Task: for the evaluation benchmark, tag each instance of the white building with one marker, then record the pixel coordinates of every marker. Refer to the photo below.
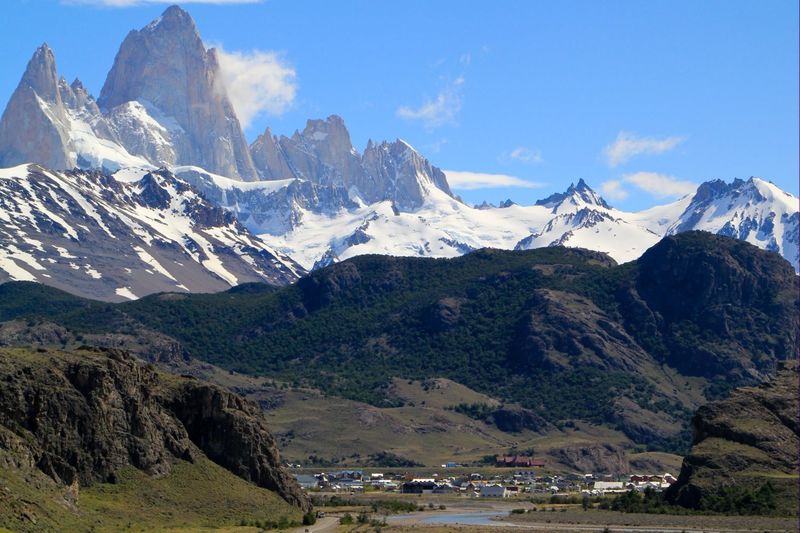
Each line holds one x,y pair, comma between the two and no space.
609,486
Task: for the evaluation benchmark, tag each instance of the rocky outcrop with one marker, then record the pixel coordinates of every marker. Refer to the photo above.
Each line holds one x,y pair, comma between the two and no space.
598,458
746,440
233,433
84,415
516,419
743,302
165,65
87,417
563,330
269,157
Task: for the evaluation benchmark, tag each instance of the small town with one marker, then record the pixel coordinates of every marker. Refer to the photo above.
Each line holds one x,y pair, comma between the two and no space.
513,476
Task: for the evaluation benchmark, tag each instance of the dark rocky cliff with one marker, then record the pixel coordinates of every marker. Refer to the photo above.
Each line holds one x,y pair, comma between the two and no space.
82,416
745,441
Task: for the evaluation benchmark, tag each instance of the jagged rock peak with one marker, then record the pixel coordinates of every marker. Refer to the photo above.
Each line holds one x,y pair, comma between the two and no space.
332,131
173,18
165,67
323,153
754,188
41,74
34,124
77,85
580,193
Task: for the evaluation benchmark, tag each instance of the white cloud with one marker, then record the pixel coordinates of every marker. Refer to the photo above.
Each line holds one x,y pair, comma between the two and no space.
132,3
257,82
657,185
660,185
525,155
613,190
440,111
628,145
480,180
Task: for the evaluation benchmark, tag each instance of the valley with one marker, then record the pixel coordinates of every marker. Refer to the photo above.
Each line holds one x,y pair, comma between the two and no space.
557,367
213,321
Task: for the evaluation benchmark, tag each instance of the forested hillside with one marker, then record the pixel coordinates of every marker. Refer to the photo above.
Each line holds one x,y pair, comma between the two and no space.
566,333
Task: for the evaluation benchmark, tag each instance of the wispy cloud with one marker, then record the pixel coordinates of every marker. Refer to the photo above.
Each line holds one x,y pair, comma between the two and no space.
657,185
441,110
660,185
613,190
522,154
436,146
257,82
628,145
481,180
132,3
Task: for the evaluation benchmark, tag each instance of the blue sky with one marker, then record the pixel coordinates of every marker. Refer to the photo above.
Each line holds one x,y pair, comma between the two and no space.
642,99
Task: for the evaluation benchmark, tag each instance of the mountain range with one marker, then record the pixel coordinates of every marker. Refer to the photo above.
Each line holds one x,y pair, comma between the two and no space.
94,234
78,168
563,334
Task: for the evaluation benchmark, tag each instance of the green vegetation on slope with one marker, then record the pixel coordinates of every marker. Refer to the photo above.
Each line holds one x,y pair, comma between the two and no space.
564,333
191,496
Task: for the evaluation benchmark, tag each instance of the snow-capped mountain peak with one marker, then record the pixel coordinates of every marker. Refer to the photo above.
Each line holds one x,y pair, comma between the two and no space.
93,234
575,197
754,210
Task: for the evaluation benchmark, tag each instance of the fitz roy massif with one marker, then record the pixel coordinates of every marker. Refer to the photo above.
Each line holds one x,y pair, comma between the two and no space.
205,325
153,187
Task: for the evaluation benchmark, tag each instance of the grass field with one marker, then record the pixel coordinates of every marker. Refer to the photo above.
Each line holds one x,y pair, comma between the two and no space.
423,430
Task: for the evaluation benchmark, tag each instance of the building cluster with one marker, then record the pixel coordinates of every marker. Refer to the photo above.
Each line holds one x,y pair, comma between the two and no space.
476,485
637,482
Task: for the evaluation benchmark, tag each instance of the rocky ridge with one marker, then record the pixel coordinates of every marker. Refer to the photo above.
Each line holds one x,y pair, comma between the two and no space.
81,416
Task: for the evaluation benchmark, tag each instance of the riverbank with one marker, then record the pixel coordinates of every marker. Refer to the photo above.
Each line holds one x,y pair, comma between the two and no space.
497,517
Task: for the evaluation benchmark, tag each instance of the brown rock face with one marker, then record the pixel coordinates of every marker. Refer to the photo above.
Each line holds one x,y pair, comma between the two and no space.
88,418
233,433
84,415
745,440
599,458
165,65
